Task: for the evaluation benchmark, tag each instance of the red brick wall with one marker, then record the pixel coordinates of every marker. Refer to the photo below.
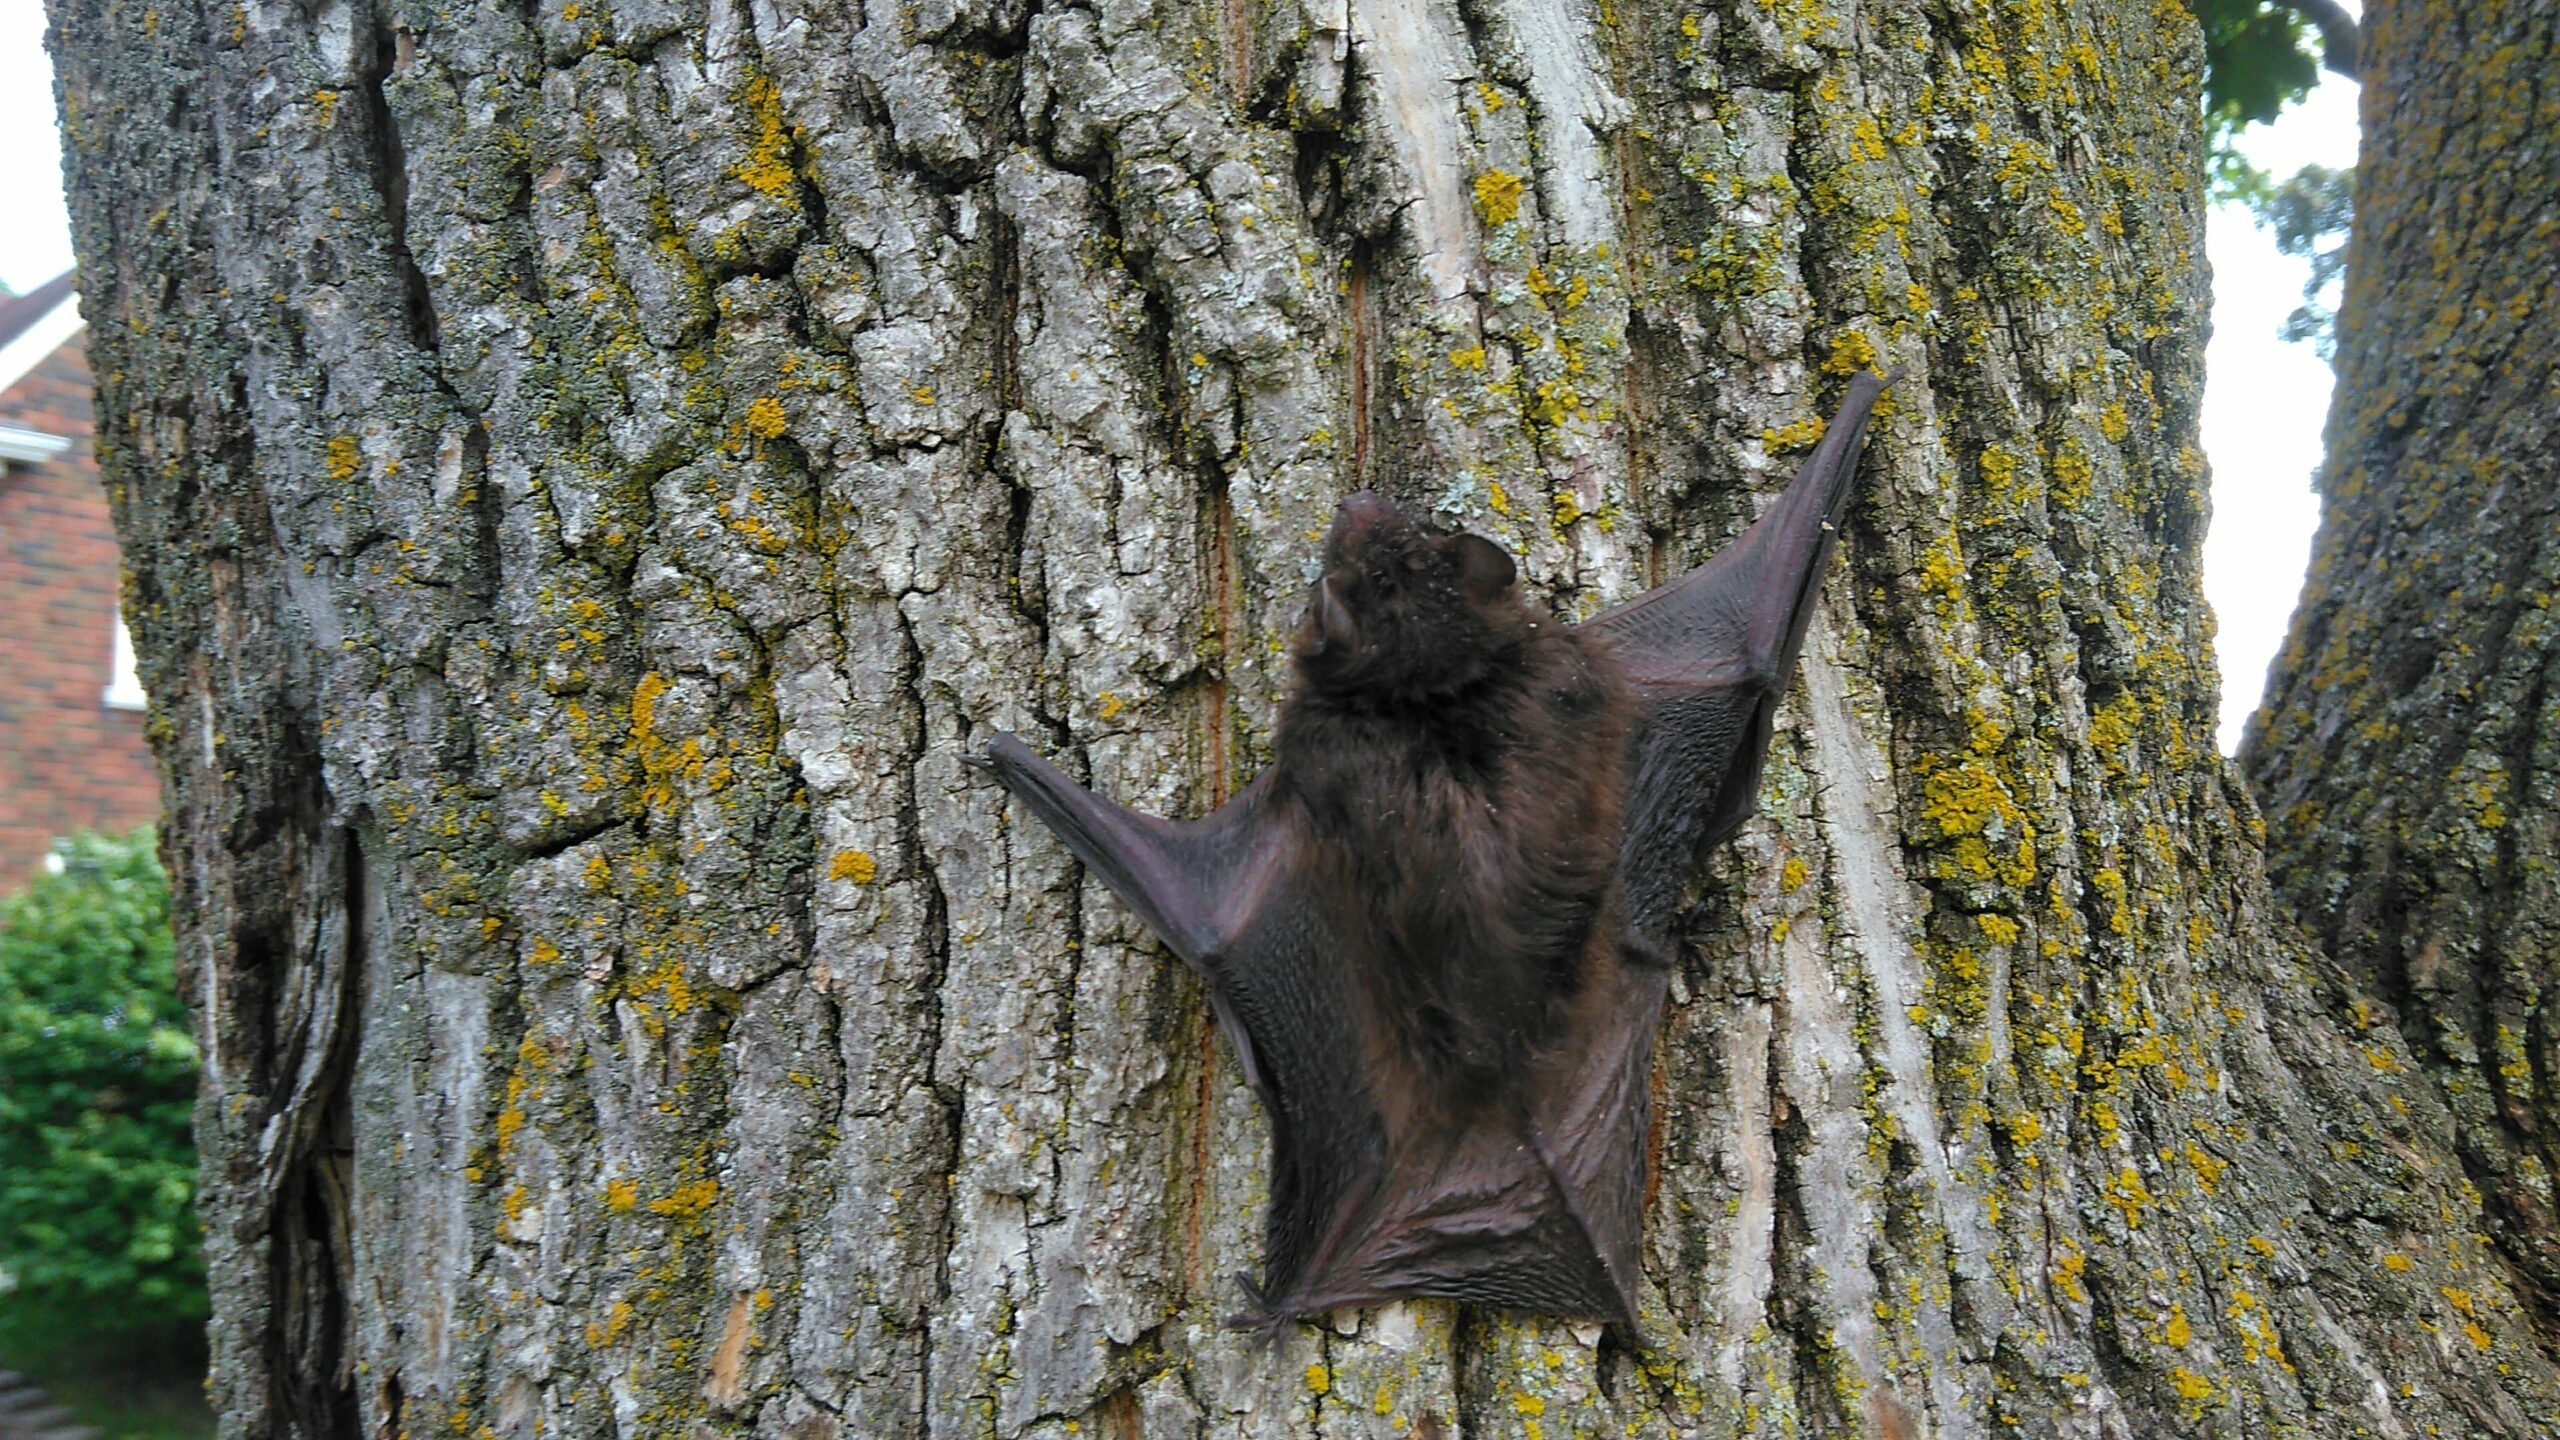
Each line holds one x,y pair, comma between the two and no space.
67,761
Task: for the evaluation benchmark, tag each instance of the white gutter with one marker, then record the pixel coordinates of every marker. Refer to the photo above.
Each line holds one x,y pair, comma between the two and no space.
30,447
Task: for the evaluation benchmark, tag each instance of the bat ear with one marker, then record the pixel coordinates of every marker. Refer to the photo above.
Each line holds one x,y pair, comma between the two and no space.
1482,567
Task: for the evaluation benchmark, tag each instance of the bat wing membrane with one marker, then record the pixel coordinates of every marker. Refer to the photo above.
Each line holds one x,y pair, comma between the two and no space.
1198,884
1712,652
1228,894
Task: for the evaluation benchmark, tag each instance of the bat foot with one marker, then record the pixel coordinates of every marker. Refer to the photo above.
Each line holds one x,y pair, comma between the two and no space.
1258,1317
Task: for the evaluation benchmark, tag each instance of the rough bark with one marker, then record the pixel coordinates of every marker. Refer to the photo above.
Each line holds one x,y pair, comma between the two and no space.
2408,752
588,474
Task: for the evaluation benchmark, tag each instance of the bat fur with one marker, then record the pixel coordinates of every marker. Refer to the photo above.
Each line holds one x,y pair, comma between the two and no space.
1435,929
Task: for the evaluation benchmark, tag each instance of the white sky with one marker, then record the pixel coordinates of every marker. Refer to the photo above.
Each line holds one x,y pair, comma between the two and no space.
2264,403
35,236
2264,399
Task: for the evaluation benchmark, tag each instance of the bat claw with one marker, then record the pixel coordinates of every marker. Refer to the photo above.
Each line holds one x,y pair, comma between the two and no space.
979,760
1258,1317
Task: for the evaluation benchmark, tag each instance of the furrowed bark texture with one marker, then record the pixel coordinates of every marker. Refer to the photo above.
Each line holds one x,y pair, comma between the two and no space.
2408,753
589,473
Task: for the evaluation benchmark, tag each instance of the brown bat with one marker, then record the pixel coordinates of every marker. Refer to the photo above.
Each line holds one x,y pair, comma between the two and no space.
1437,929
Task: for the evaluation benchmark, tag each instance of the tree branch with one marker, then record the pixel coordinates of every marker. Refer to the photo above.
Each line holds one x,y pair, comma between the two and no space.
2341,42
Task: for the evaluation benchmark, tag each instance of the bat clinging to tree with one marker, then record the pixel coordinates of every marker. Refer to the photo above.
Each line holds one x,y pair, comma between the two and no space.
1436,929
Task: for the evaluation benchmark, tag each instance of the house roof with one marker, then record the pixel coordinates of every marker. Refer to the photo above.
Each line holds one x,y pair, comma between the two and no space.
36,324
18,312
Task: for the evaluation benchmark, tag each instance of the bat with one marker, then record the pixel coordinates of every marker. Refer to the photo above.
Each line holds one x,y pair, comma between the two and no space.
1436,930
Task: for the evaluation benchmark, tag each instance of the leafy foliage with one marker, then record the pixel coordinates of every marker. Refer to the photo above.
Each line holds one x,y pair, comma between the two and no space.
2309,214
97,1082
2258,58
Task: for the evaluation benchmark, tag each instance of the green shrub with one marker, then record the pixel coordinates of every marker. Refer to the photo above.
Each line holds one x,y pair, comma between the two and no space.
97,1079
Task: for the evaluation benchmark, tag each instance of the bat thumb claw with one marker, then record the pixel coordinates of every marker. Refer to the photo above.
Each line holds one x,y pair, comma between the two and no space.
978,760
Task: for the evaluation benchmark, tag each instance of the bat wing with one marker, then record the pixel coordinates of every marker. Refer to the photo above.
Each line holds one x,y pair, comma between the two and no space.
1534,1202
1712,652
1196,883
1591,1112
1230,894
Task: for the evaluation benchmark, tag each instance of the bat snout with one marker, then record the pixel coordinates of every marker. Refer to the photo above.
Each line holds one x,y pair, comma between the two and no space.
1358,511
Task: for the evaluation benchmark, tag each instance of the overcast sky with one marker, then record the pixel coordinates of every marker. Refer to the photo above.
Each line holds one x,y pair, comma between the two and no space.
2264,403
35,237
2264,399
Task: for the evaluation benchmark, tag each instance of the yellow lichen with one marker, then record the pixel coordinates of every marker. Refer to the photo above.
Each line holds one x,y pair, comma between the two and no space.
688,1201
1498,197
2067,1268
2208,1169
605,1332
767,167
1802,435
1851,352
2072,474
2129,1195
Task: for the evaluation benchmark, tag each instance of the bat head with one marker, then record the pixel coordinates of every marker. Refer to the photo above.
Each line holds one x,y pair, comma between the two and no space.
1405,609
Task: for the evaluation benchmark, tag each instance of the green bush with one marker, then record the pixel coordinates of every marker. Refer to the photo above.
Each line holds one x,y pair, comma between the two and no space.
97,1080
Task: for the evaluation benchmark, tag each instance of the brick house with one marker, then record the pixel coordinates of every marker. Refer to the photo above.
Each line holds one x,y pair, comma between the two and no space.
72,753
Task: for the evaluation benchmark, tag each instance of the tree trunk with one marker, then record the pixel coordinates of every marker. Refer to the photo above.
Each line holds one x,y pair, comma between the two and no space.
2408,754
590,473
